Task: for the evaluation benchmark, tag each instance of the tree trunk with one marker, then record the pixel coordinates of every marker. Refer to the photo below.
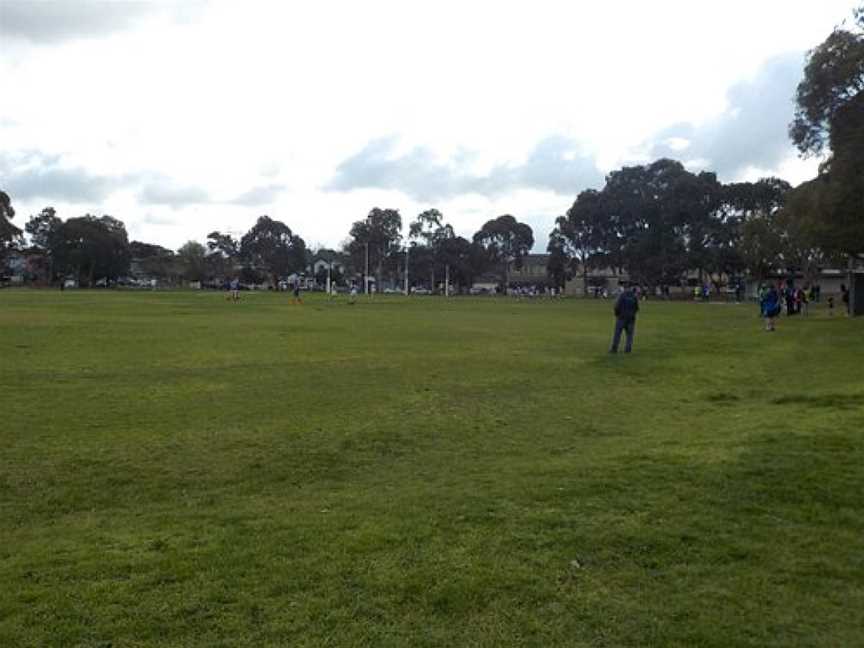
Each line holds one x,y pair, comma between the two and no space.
506,277
584,279
378,271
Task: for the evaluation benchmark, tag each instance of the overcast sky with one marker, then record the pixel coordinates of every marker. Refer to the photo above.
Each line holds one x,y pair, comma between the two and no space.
184,117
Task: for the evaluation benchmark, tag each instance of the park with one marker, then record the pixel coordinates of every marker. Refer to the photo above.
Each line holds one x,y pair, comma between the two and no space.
400,324
181,470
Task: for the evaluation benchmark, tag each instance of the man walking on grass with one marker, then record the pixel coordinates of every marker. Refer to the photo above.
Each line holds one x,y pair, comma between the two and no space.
626,307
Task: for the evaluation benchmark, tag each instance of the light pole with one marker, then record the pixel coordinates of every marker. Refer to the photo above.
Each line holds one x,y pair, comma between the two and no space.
366,274
407,248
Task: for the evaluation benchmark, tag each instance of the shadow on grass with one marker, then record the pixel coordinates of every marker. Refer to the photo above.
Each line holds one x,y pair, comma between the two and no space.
829,401
722,399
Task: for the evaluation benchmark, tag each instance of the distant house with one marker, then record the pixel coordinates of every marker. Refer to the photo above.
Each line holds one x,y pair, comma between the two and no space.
321,264
15,264
336,262
24,266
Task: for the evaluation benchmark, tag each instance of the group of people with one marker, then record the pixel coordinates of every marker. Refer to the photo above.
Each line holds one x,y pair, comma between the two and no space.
532,292
791,300
774,300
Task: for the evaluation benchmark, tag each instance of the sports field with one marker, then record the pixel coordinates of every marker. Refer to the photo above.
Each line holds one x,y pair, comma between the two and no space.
177,470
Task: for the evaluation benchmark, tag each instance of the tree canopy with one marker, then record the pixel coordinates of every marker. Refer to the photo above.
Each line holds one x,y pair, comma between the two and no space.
380,234
506,241
10,235
829,114
270,246
44,229
92,247
193,258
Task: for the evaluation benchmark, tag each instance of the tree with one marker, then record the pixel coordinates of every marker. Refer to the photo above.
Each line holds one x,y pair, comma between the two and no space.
44,231
223,251
506,241
116,255
192,258
753,239
697,198
458,254
154,261
761,245
646,217
93,247
426,226
379,234
429,227
800,226
10,236
270,246
830,114
833,79
582,232
560,262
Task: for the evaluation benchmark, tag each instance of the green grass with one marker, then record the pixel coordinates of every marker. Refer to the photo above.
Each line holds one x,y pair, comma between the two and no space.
176,470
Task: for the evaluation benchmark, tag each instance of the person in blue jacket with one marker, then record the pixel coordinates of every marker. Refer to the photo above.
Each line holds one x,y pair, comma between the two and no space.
770,306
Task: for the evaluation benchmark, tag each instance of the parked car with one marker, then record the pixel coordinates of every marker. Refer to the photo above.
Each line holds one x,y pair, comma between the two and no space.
421,291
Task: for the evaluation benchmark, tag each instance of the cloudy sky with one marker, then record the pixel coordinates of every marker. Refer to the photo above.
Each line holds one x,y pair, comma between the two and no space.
184,117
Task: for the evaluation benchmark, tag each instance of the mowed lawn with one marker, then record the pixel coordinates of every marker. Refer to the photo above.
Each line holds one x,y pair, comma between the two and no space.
177,470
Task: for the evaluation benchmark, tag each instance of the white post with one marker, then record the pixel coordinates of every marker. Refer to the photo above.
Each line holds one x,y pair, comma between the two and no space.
407,248
447,280
329,266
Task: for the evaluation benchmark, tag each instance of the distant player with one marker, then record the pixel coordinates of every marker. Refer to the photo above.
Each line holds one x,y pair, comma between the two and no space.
235,289
353,296
297,299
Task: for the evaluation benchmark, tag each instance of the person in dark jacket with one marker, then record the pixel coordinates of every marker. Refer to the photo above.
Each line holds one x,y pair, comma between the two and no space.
626,307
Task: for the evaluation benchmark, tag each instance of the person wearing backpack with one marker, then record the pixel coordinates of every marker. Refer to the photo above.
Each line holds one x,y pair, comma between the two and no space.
626,307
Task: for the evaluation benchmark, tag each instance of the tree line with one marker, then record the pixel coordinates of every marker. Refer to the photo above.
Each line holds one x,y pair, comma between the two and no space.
658,222
95,250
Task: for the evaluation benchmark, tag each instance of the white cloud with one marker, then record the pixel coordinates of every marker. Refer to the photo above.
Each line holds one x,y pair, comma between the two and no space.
251,107
52,21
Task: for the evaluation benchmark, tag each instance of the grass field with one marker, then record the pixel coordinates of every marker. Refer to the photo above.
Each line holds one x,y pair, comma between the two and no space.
176,470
